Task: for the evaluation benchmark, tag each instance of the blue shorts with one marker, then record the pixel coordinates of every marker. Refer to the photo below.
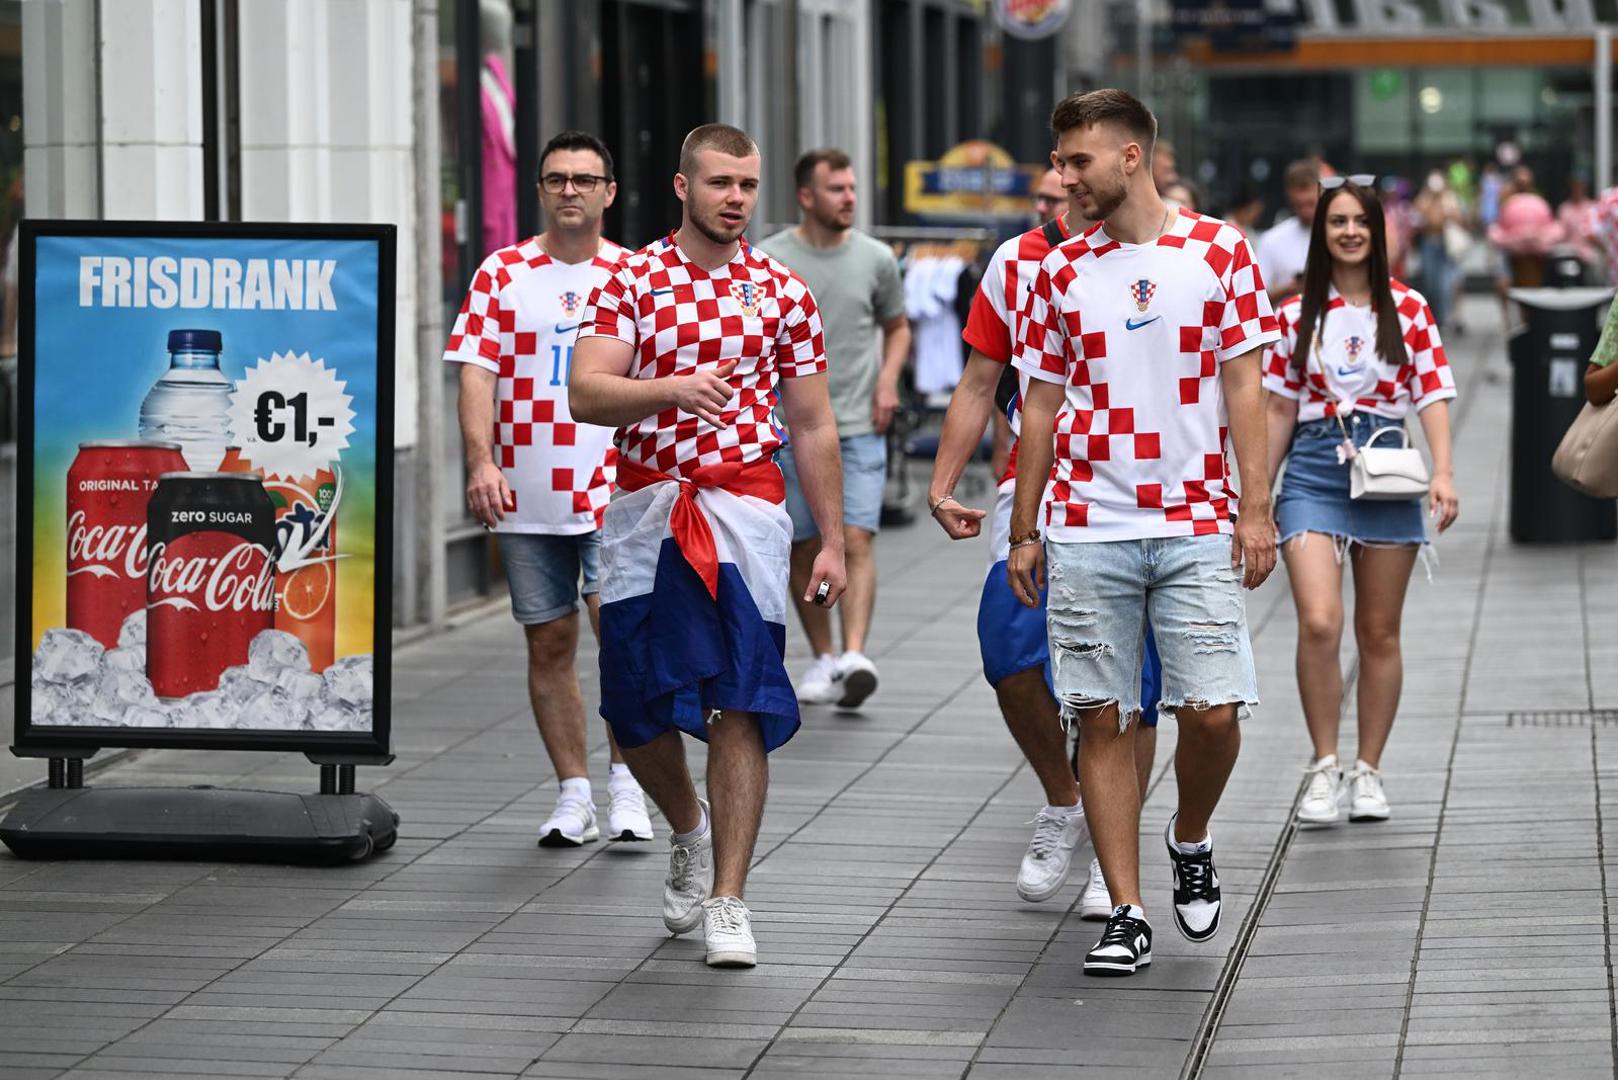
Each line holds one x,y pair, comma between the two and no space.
1314,490
544,573
865,474
1183,590
1012,639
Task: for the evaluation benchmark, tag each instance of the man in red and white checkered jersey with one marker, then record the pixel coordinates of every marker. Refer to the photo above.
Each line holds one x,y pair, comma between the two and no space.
1142,341
536,477
1011,637
688,348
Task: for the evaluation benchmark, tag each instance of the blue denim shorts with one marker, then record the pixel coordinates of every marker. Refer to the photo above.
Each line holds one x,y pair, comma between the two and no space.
865,474
1102,597
1314,489
544,573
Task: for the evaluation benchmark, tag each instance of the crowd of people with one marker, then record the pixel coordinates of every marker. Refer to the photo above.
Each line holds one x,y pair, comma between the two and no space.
682,436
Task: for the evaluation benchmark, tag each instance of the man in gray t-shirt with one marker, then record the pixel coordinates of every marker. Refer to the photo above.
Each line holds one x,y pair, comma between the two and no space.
855,282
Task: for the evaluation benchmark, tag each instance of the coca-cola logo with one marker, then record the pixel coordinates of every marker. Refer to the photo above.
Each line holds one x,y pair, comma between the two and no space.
97,549
242,579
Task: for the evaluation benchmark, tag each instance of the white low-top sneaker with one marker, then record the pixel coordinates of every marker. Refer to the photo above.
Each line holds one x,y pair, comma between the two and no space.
727,926
1322,802
689,881
820,684
1096,903
571,824
1050,854
857,676
627,818
1367,800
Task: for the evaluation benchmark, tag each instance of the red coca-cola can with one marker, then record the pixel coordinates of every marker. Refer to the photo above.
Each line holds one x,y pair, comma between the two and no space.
210,578
108,487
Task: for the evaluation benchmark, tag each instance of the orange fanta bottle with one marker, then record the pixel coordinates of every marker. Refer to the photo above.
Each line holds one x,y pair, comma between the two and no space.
306,536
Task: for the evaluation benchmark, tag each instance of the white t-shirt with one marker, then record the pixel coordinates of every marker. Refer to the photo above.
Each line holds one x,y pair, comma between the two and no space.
1283,251
520,319
1349,368
1137,334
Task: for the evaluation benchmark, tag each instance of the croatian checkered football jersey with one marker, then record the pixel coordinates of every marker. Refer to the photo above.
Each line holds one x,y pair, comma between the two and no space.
1137,334
680,319
519,320
994,324
1347,367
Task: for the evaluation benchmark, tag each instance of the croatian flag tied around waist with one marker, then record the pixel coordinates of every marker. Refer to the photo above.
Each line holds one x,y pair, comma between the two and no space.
693,601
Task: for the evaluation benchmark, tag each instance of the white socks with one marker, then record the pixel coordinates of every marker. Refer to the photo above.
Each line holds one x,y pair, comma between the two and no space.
577,785
687,837
1076,810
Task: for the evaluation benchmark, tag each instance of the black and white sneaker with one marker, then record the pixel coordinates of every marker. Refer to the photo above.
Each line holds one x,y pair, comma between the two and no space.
1196,890
1125,945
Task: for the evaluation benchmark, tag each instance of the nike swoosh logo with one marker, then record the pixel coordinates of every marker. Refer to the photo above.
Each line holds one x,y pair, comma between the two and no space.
1131,324
661,292
1347,371
567,329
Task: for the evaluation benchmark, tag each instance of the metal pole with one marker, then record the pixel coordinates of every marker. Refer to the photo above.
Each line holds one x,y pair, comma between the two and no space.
1143,50
1603,111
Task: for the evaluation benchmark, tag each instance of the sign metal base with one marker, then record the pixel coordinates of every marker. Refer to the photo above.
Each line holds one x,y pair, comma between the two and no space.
215,824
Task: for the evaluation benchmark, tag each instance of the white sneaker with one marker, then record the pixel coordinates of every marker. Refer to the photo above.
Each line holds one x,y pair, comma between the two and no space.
1367,800
1050,854
727,926
689,881
857,675
571,824
1096,903
1322,802
627,818
819,685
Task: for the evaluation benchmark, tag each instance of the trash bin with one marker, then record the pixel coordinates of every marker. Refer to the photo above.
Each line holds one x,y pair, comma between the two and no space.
1548,357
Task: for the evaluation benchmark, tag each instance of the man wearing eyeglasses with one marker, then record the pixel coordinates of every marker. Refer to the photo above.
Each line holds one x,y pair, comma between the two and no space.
536,478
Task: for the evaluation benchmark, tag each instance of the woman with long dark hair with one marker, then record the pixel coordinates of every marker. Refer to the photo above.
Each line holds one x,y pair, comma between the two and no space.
1359,351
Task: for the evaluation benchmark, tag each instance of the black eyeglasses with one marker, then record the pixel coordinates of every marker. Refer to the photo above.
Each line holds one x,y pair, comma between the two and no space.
583,183
1332,183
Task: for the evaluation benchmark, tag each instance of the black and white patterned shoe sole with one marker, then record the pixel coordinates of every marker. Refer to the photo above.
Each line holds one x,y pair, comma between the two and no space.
556,838
1116,968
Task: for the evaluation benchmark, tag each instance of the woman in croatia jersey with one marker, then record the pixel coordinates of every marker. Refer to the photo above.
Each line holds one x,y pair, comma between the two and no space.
1359,352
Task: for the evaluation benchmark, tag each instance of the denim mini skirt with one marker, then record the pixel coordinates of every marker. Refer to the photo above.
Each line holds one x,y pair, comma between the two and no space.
1314,489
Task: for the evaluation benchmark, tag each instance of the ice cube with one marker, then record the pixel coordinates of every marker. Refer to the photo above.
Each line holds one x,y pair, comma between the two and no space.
348,682
273,650
238,684
132,634
44,702
208,709
68,657
273,710
330,716
126,658
144,716
302,685
118,691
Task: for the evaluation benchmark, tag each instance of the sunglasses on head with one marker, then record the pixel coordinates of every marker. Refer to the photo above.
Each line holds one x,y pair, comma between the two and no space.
1332,183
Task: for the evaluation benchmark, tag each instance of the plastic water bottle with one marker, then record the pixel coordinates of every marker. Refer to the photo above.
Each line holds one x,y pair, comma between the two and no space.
189,402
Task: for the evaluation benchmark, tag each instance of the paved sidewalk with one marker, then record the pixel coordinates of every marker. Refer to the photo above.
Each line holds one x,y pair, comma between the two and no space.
1470,934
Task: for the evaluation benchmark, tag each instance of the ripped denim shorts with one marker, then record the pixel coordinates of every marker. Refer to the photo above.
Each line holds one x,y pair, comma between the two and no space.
1100,597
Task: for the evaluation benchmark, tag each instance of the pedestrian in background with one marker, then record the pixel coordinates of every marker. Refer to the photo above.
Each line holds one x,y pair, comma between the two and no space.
1436,211
1284,248
1359,351
856,284
537,478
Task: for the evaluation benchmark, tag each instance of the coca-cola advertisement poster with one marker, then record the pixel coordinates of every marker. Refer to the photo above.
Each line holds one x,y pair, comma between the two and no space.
206,445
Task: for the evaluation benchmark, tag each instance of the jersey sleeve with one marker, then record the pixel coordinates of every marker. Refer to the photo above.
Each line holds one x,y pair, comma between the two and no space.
1281,374
800,342
988,322
478,335
612,308
1431,377
1247,320
1043,350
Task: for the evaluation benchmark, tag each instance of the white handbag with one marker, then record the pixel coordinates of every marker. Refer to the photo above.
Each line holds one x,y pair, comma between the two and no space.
1387,473
1379,473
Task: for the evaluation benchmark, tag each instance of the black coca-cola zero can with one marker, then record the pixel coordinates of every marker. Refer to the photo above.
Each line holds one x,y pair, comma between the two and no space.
210,577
